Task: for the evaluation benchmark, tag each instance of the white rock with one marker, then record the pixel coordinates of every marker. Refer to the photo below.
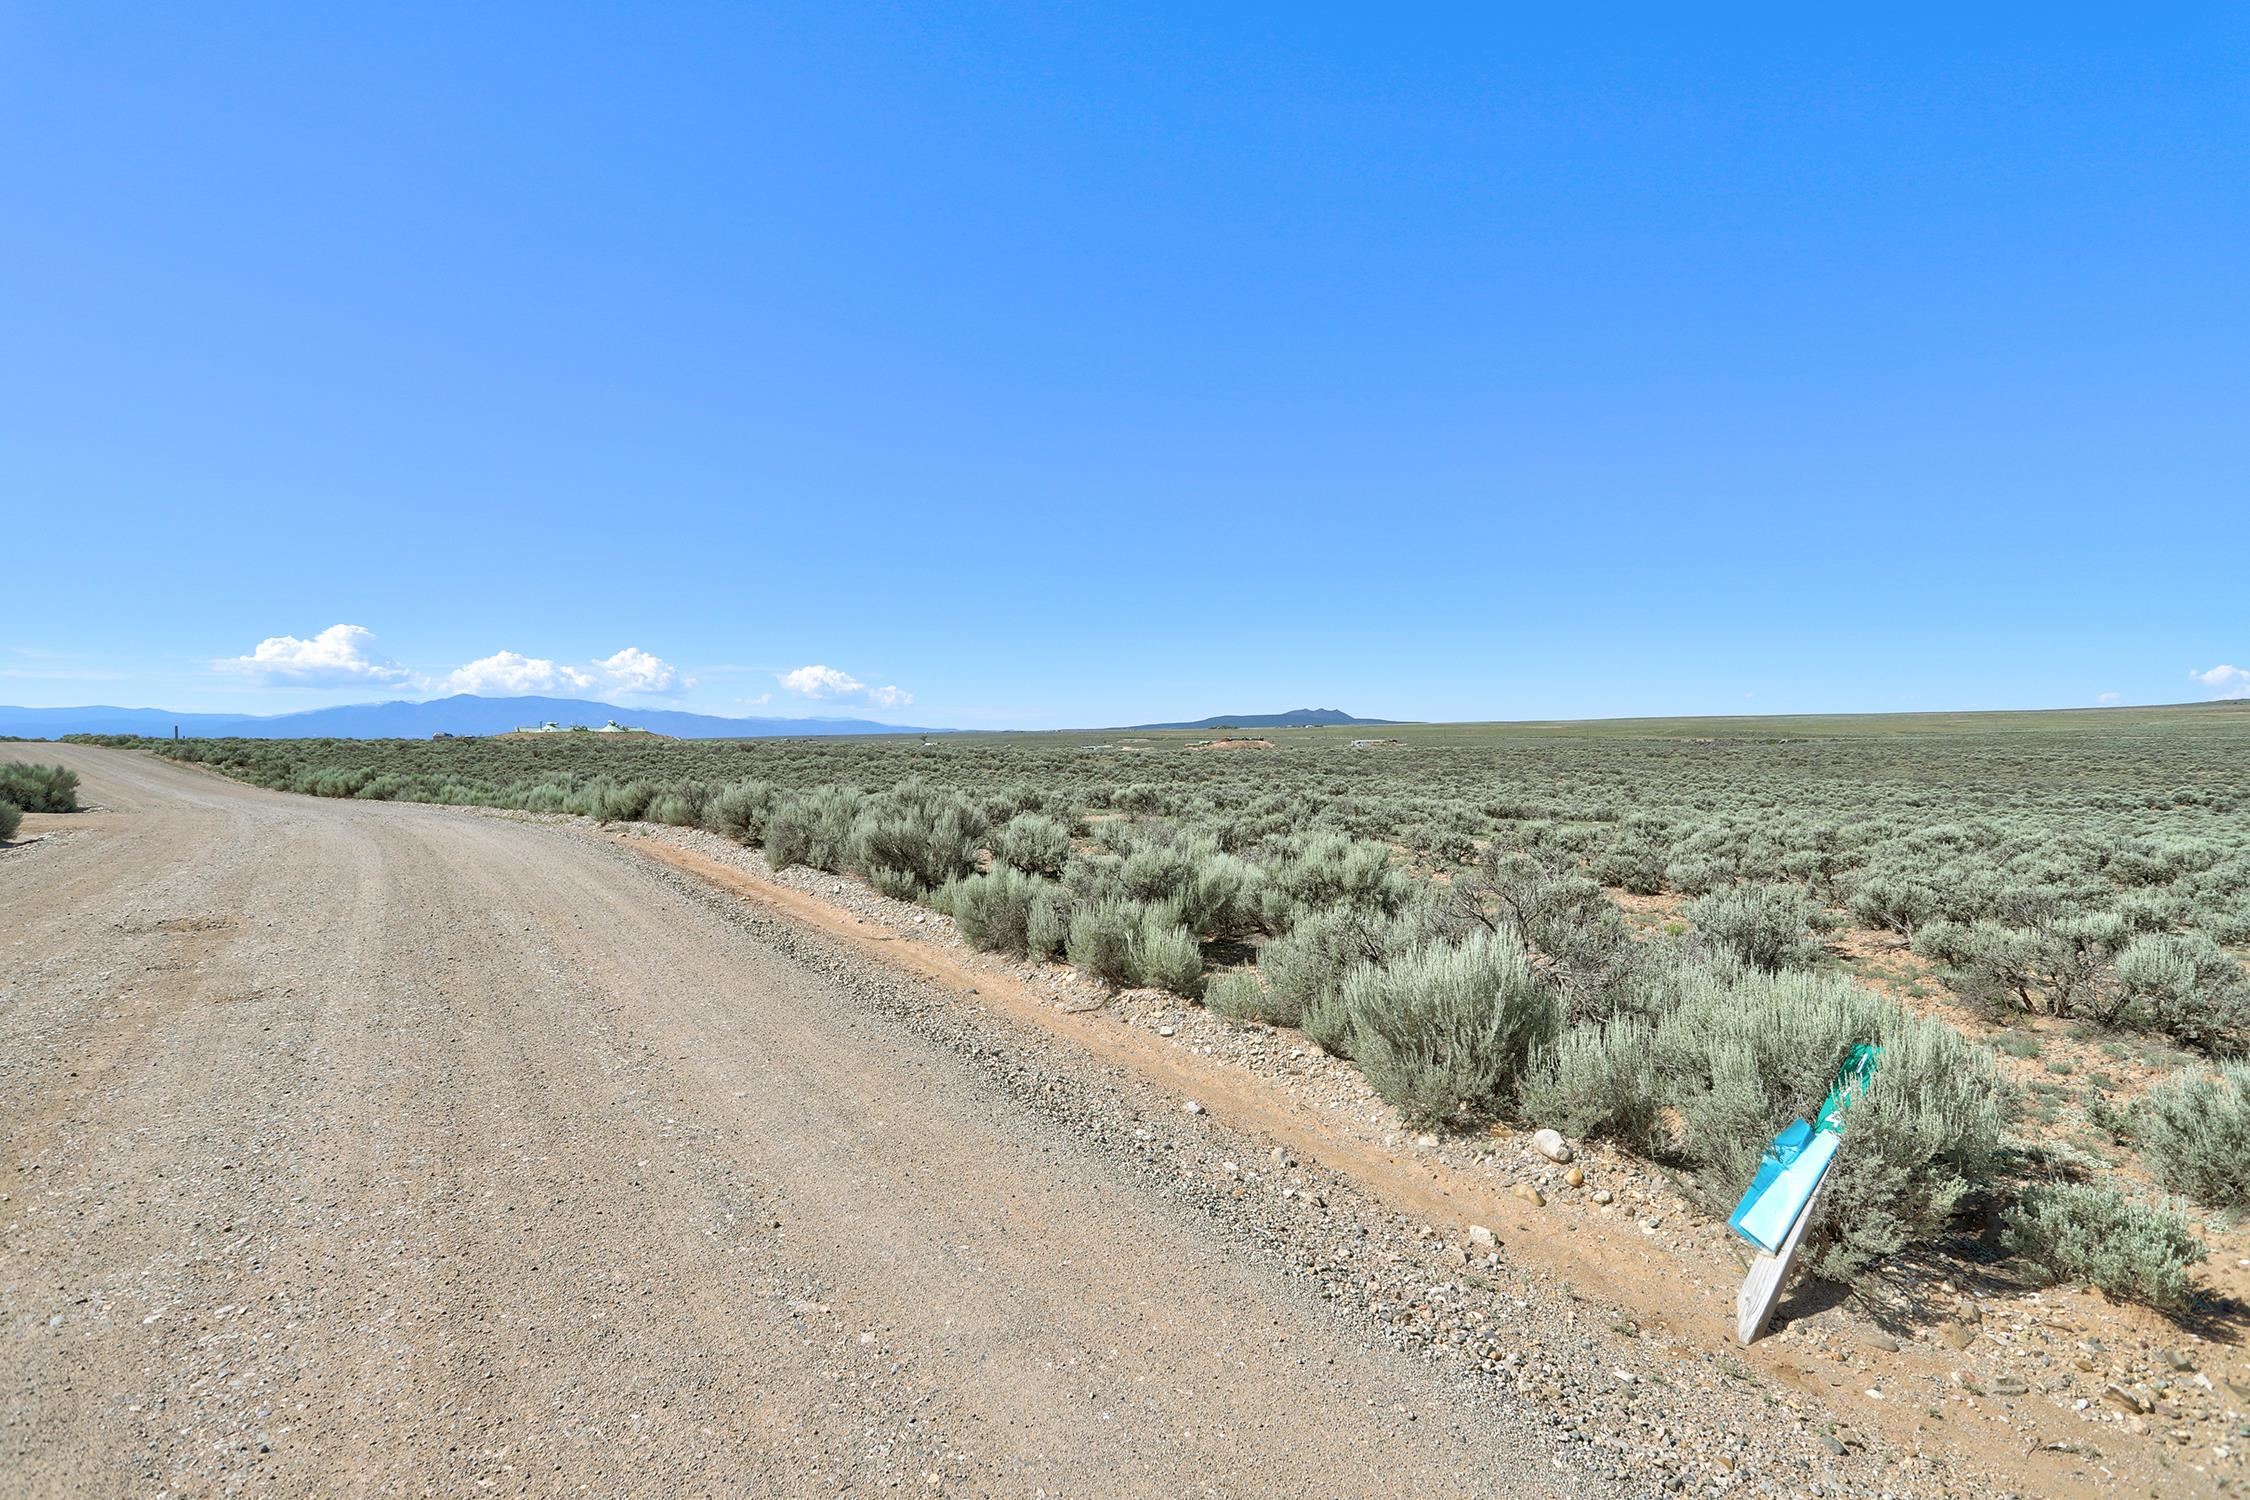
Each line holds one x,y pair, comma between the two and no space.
1550,1144
1190,1107
1481,1237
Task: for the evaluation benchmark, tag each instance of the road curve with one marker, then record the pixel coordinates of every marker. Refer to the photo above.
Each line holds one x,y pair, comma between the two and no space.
374,1149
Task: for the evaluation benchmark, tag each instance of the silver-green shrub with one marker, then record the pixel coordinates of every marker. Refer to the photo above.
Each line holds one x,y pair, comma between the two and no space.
994,910
1033,843
1600,1080
1238,996
1135,943
1577,937
1305,968
738,811
2140,1251
1768,927
44,788
2187,987
1047,927
1445,1033
2194,1128
921,836
1326,871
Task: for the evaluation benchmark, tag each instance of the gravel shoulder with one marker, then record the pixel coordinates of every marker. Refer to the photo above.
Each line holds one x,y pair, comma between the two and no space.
388,1149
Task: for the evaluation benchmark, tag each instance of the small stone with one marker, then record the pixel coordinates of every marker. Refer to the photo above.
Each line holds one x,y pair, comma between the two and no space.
2175,1359
1956,1335
1604,1197
1529,1194
2008,1385
1481,1237
1190,1107
2130,1400
1576,1176
1883,1341
1828,1441
1167,1031
1549,1143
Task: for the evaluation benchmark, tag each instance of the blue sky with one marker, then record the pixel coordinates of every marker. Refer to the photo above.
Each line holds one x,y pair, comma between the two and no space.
1045,365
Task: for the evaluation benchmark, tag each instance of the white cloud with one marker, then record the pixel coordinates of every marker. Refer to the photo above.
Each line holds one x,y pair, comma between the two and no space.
2225,681
504,674
827,682
2109,700
633,670
822,682
338,656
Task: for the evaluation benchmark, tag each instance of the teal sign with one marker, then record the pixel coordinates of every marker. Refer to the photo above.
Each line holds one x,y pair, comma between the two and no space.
1790,1171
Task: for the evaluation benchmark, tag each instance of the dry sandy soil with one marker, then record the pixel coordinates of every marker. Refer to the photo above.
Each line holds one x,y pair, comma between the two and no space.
376,1149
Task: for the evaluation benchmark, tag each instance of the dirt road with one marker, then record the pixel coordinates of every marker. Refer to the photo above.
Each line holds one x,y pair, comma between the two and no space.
376,1149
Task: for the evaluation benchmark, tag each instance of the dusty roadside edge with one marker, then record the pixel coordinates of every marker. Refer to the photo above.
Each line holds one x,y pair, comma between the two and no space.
1982,1457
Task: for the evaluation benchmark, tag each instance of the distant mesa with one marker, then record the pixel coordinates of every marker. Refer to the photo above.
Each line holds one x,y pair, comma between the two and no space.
461,716
1296,718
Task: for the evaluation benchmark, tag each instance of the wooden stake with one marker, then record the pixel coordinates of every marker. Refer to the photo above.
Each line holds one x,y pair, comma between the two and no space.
1761,1289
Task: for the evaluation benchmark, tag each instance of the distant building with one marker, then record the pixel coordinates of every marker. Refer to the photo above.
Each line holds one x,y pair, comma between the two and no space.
550,727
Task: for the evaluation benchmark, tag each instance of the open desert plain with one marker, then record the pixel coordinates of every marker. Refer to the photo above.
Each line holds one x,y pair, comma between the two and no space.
357,1144
652,844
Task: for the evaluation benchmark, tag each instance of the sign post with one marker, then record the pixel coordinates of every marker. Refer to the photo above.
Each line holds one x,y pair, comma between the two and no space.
1778,1206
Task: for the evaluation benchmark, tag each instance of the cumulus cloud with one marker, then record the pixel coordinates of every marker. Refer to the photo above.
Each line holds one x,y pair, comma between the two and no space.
829,683
504,674
2109,700
336,657
2225,681
822,682
633,670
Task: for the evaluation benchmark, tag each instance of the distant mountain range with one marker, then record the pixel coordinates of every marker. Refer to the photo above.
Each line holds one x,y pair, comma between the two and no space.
462,714
1295,716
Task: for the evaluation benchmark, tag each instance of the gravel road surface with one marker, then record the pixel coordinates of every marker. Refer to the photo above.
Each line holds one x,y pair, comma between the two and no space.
374,1149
